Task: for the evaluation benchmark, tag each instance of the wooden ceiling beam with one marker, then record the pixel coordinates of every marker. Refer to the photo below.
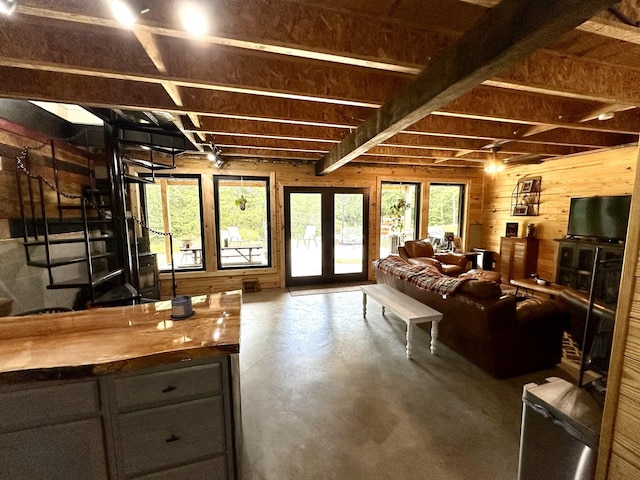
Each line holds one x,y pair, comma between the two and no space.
451,128
546,72
598,25
417,143
489,47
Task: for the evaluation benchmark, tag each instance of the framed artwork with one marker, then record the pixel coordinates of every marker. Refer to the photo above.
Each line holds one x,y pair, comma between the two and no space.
521,210
527,187
512,230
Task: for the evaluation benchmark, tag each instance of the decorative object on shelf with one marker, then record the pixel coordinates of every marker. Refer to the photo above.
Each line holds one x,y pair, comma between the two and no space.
525,198
531,230
512,229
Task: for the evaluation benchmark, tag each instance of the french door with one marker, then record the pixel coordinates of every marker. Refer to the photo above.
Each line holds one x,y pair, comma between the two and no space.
325,235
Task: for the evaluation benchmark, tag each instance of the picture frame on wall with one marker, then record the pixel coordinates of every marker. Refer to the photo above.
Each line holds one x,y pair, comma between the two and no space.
527,187
512,229
521,210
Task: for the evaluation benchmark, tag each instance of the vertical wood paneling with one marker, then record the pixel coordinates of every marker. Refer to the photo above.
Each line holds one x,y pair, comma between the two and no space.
619,455
284,174
608,172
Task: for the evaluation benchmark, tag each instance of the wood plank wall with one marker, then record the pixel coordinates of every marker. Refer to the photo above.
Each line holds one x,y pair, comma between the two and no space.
607,172
282,175
610,172
72,164
619,454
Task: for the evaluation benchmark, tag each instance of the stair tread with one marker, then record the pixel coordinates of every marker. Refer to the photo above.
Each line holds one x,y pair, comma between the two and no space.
98,278
60,241
59,262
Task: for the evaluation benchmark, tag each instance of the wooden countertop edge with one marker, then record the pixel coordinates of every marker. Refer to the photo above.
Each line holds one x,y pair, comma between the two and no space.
71,372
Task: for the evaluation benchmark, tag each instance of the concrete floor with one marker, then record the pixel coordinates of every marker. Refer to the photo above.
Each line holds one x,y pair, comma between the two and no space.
329,395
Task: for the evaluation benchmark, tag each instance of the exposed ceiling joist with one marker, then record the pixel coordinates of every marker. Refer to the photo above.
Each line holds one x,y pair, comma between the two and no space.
489,47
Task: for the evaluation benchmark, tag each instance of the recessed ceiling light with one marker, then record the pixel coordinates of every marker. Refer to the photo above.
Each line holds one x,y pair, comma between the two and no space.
124,12
194,18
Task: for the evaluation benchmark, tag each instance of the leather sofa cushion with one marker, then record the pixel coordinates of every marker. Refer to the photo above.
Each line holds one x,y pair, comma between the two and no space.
532,310
481,289
418,248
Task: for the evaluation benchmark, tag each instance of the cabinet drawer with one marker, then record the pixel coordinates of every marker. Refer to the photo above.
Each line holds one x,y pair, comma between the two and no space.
141,391
70,451
213,469
162,437
28,407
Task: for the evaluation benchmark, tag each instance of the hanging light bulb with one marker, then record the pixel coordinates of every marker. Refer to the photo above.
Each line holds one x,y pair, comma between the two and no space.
494,165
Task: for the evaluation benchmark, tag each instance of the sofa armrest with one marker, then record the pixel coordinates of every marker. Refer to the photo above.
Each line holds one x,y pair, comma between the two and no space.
534,311
402,252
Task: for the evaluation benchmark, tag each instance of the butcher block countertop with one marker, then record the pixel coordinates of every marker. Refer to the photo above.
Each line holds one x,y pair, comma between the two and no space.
116,339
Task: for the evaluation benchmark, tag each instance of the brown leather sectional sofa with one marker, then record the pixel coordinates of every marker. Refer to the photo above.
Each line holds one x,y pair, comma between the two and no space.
503,337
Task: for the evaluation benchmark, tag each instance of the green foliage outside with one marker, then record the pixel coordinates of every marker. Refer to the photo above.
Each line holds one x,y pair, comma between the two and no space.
252,221
183,198
444,208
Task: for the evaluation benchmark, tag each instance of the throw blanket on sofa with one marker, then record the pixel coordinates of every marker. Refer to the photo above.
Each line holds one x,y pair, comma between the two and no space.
425,277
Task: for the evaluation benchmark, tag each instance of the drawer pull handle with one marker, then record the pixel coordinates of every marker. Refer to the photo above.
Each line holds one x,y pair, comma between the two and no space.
172,438
168,389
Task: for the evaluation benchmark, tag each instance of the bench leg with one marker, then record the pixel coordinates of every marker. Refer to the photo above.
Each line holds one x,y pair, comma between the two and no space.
434,337
364,305
409,339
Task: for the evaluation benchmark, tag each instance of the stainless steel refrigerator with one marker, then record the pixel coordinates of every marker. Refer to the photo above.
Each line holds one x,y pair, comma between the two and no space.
560,432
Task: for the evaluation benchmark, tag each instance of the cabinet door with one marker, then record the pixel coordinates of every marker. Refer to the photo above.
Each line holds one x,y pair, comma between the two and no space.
519,264
506,257
69,451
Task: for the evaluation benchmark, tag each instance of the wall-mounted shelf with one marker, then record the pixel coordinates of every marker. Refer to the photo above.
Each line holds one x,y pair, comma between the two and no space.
525,198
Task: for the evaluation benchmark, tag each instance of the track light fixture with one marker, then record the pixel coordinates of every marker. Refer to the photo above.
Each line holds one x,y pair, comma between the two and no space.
7,7
215,155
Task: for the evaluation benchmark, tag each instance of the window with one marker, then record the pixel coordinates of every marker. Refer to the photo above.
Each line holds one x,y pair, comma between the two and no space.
445,212
242,219
399,219
173,205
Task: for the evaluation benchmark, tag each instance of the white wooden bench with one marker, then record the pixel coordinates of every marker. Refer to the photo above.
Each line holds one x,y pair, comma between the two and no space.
408,309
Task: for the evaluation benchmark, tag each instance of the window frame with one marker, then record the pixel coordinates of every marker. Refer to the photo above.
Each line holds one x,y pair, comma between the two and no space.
144,209
216,207
461,210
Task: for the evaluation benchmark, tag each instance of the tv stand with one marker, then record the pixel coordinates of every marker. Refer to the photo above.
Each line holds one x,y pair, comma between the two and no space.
575,267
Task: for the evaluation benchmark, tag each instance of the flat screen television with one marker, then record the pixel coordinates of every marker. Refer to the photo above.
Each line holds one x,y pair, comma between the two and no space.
603,218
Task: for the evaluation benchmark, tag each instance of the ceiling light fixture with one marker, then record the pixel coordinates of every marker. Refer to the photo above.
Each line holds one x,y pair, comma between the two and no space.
7,7
494,165
127,12
194,18
606,116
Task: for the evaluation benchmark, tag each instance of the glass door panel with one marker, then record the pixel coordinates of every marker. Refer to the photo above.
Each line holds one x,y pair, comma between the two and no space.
305,220
349,232
325,235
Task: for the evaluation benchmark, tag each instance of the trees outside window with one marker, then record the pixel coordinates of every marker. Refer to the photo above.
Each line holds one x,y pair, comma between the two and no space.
173,205
242,219
398,215
445,212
